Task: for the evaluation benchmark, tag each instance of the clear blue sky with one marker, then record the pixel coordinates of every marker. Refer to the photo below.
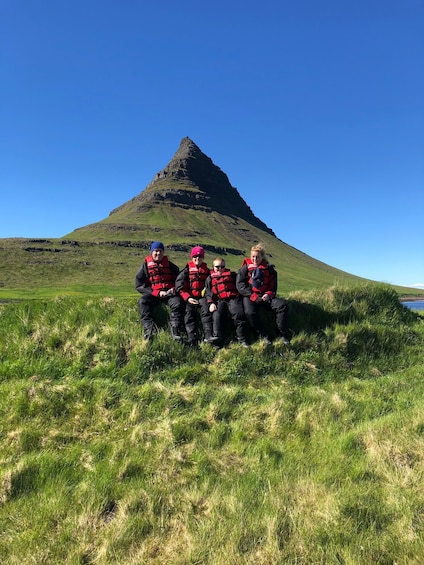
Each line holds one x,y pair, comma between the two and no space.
313,109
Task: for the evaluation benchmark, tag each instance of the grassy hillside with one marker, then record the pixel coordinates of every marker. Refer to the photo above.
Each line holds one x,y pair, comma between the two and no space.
118,453
50,267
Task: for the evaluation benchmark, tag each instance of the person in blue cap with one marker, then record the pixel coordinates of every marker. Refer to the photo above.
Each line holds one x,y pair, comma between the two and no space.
155,280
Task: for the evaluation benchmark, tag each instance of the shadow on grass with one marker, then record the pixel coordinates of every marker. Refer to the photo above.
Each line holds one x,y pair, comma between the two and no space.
308,318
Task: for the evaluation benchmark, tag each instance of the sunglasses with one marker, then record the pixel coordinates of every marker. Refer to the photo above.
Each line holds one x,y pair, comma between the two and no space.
197,256
218,266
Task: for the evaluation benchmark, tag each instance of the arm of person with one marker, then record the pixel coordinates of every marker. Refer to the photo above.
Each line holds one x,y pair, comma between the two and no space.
208,290
175,270
242,281
142,283
273,282
234,277
181,284
211,299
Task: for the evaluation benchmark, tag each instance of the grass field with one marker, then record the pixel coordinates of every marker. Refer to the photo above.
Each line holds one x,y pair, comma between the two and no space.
119,452
47,268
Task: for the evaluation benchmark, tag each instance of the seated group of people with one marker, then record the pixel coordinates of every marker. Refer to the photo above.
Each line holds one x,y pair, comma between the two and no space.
212,293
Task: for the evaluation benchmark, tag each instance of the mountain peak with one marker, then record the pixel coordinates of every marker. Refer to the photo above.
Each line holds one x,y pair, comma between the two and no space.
207,186
187,148
190,187
190,164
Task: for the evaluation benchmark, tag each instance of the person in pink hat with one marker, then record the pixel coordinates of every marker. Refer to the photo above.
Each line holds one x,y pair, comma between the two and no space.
190,284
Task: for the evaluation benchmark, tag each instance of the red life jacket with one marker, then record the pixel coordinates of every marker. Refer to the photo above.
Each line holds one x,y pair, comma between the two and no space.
223,285
160,274
196,279
267,286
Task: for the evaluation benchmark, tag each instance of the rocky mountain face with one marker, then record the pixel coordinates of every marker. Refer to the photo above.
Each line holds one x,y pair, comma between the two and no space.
192,180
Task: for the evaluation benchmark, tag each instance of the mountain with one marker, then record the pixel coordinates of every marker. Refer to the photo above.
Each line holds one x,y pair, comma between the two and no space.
189,202
189,188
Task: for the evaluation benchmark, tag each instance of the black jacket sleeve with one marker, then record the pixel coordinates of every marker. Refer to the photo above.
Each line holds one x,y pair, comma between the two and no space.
274,278
208,290
242,283
174,269
142,282
181,279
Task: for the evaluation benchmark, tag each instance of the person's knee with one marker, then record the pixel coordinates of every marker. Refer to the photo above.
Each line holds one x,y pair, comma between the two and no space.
279,305
176,305
249,307
143,303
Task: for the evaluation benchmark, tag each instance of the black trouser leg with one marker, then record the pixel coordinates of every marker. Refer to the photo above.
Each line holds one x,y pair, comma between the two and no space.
280,308
252,315
206,318
216,323
190,321
235,306
145,305
218,317
176,306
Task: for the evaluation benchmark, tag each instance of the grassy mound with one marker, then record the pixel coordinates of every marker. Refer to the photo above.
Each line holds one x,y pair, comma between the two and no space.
114,451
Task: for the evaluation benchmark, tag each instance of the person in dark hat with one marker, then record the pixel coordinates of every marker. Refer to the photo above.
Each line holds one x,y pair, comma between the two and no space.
257,283
190,284
155,280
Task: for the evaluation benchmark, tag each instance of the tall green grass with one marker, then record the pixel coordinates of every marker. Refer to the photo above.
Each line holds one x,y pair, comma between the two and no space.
118,451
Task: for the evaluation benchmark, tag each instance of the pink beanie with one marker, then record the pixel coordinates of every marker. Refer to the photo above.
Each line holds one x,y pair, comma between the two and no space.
197,251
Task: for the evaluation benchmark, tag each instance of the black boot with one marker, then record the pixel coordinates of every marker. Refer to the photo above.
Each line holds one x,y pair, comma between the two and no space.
147,333
175,332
